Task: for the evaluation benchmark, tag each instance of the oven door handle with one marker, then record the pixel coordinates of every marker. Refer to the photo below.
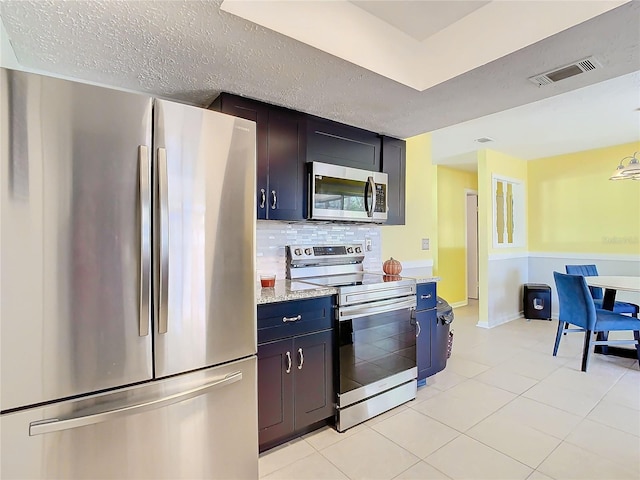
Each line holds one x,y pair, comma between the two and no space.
357,311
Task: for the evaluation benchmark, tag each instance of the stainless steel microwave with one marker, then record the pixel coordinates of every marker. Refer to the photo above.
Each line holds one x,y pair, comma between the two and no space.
347,194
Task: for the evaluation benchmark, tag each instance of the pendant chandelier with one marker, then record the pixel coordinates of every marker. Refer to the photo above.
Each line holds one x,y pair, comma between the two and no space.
630,171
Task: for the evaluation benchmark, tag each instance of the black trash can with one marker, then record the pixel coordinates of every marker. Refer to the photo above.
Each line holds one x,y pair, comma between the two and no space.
536,300
444,336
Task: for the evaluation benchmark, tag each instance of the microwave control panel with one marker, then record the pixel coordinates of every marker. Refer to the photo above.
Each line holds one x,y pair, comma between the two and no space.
381,198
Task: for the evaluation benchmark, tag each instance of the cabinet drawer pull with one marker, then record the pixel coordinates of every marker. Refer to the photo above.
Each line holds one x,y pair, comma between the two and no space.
288,370
263,197
275,200
418,325
301,359
425,297
291,319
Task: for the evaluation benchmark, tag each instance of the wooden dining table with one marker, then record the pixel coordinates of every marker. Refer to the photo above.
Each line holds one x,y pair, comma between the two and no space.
612,284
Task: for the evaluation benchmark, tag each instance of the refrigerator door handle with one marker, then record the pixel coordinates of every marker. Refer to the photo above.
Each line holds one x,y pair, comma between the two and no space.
163,321
56,425
145,240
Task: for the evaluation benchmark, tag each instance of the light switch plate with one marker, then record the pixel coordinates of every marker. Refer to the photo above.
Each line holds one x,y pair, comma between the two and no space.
425,244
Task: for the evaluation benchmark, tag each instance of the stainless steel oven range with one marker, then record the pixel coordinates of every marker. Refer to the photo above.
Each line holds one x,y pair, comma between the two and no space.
376,337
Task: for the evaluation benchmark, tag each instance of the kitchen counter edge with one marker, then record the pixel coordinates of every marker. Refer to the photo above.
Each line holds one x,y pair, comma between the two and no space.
420,275
422,278
287,290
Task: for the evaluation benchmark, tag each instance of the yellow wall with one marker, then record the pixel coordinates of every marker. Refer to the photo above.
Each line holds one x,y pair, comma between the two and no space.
491,162
404,242
570,203
498,163
574,207
452,241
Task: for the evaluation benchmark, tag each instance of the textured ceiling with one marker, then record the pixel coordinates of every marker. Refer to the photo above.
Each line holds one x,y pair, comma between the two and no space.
456,43
592,117
191,51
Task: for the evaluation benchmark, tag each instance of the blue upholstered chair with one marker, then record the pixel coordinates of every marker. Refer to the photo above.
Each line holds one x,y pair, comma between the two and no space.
596,292
577,308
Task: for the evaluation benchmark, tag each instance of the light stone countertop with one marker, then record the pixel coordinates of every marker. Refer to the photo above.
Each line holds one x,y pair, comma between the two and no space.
286,290
420,274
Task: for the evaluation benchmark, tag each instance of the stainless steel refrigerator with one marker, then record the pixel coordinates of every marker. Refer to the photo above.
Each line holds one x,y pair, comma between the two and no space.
128,322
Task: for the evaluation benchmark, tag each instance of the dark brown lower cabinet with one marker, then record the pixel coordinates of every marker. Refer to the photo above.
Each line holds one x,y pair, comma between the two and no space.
275,390
295,386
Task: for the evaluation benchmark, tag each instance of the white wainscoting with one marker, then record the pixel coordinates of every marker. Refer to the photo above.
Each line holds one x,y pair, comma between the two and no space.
507,274
543,264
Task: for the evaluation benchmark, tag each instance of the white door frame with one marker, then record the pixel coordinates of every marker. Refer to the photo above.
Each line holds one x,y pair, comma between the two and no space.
471,236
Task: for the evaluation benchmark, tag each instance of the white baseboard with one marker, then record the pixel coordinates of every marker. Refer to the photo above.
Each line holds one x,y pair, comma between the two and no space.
461,303
500,322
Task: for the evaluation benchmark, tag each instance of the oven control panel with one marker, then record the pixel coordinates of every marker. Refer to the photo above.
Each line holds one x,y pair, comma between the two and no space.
325,251
304,261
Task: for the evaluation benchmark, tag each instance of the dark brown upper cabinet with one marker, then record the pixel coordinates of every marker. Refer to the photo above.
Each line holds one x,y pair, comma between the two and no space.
280,183
394,164
339,144
287,140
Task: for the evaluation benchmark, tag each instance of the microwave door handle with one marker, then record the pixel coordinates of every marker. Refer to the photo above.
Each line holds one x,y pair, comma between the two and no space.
366,197
370,185
373,196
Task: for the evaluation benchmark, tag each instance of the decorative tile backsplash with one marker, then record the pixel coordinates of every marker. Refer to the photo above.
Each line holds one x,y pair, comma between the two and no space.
272,237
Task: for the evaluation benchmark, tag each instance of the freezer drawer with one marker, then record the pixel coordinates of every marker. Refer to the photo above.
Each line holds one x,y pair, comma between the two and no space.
198,425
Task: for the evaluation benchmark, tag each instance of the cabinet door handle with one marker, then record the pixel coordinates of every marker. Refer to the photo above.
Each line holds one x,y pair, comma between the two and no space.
301,359
275,200
288,370
425,297
291,319
263,197
418,325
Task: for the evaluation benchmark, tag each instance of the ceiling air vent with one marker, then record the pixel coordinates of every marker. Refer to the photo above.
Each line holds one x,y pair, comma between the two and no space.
576,68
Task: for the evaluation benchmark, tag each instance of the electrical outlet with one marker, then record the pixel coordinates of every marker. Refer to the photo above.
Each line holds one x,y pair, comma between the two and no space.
367,244
425,244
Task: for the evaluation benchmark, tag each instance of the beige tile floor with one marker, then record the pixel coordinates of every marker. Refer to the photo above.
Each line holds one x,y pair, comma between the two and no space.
504,408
